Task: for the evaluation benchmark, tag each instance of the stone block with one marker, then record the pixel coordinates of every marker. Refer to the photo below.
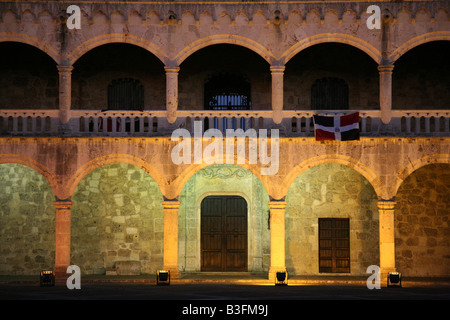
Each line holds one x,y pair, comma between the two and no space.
127,268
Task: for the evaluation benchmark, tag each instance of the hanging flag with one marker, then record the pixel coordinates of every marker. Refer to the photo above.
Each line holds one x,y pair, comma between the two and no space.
340,128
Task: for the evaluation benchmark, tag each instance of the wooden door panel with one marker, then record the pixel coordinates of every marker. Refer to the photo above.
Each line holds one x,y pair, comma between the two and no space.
236,261
236,243
211,260
334,245
224,233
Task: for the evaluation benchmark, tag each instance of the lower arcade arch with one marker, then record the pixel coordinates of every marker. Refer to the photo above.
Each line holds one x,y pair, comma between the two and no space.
339,194
117,216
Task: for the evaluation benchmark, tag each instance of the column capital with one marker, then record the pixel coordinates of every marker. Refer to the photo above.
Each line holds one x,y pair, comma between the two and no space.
171,69
385,68
277,69
170,204
66,69
277,204
386,204
63,204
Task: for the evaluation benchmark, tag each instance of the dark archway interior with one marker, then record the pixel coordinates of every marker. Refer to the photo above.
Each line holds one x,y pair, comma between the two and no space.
103,66
421,78
28,78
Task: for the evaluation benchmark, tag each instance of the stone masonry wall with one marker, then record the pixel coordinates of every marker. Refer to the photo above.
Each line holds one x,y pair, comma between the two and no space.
422,214
117,216
27,221
330,191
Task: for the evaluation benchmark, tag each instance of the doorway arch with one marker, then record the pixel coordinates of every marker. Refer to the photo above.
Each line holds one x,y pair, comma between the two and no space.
223,181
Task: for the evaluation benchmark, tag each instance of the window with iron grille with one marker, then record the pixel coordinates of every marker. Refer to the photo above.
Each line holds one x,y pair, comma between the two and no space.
329,94
227,91
125,94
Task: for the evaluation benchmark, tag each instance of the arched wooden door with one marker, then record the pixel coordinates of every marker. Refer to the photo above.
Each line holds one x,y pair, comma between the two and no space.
224,233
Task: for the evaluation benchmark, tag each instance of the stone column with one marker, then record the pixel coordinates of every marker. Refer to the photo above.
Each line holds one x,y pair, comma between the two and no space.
62,252
386,92
172,93
387,237
65,96
170,261
277,238
277,93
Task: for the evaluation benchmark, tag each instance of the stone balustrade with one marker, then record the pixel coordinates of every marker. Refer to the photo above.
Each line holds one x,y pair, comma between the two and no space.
295,123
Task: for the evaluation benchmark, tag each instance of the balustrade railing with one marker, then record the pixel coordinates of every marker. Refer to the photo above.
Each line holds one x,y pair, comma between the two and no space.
29,122
296,123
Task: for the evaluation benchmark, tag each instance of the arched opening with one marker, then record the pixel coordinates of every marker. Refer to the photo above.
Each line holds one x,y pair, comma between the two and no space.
331,222
103,80
322,77
420,78
28,78
27,219
422,212
242,213
117,217
224,77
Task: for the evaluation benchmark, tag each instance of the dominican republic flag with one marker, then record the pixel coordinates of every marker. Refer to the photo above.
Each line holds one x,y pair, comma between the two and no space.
340,128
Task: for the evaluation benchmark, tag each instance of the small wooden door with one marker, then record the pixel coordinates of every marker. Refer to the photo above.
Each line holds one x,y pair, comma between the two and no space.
224,233
334,245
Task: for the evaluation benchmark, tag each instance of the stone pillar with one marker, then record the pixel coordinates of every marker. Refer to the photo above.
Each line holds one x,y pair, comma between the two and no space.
277,93
387,237
172,93
386,92
62,252
277,238
65,96
170,261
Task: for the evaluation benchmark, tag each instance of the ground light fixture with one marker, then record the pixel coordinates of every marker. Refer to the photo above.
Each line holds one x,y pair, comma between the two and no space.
281,278
394,279
47,278
163,277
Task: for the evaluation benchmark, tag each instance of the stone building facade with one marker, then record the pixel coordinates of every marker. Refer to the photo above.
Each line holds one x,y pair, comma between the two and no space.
87,117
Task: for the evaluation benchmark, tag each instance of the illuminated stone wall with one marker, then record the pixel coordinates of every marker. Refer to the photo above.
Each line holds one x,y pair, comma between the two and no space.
330,191
224,180
27,221
117,216
422,222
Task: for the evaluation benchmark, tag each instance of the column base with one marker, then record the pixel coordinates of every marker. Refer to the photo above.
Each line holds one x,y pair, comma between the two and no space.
174,272
386,129
65,129
61,275
384,274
